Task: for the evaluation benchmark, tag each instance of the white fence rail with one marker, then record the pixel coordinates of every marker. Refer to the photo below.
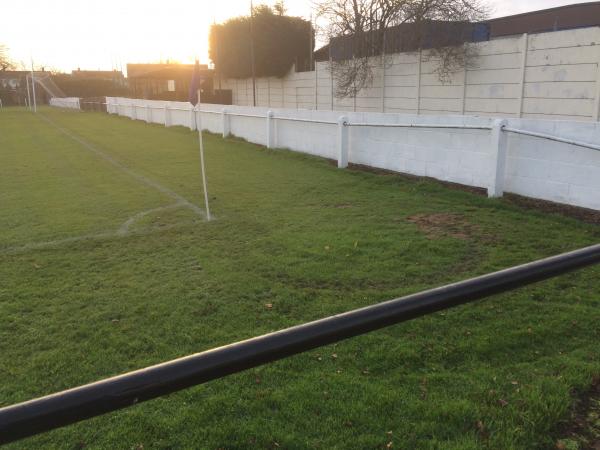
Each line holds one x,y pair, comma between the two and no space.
550,160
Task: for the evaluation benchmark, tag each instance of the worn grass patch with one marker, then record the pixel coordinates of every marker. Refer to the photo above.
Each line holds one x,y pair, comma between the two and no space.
441,225
101,273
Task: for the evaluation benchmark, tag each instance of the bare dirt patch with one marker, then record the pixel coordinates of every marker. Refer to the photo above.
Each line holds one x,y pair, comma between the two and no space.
440,225
582,431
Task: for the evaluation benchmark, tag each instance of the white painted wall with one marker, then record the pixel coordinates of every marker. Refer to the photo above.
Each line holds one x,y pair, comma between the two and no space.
66,102
557,77
535,167
554,171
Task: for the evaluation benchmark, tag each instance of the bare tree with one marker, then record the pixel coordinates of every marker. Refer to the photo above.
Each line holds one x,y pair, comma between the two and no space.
279,8
5,61
358,30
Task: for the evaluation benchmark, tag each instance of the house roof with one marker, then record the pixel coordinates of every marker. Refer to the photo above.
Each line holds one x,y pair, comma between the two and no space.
12,74
95,74
577,15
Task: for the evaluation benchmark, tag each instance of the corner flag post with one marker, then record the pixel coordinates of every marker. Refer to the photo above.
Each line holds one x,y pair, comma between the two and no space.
199,126
194,99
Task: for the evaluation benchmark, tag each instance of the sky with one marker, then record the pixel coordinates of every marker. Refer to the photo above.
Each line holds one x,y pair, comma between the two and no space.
106,34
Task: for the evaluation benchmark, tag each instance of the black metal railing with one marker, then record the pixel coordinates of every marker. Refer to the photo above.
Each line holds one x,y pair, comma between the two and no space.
63,408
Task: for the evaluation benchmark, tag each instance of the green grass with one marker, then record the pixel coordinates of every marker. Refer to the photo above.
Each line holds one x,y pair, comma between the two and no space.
295,232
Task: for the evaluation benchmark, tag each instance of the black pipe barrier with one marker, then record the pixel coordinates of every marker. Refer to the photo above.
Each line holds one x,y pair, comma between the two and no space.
56,410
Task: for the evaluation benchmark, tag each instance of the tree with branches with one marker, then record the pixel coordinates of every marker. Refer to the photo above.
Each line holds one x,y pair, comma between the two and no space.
278,41
5,61
359,30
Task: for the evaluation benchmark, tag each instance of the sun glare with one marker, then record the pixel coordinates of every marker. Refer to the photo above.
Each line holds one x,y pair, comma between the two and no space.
69,34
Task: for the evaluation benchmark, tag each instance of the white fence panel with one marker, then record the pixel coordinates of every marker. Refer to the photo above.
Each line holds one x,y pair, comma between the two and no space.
67,102
547,75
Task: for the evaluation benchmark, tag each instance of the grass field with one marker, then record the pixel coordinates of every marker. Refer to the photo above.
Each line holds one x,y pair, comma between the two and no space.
106,266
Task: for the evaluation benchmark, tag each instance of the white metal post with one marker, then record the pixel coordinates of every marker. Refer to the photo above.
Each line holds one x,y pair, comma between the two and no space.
499,144
166,112
270,134
148,113
199,126
342,142
133,111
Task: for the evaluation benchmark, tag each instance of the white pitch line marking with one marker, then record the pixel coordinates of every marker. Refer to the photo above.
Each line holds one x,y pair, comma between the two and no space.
122,231
141,178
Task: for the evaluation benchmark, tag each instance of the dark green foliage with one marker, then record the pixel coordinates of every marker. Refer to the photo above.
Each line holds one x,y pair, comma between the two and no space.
279,42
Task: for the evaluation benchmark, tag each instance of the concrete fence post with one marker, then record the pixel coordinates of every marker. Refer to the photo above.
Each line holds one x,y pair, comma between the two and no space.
270,131
524,51
596,112
226,123
419,70
166,112
499,144
342,142
193,118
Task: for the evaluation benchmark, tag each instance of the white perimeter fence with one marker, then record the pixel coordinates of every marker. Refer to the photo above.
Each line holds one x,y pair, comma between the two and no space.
550,160
66,102
554,76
